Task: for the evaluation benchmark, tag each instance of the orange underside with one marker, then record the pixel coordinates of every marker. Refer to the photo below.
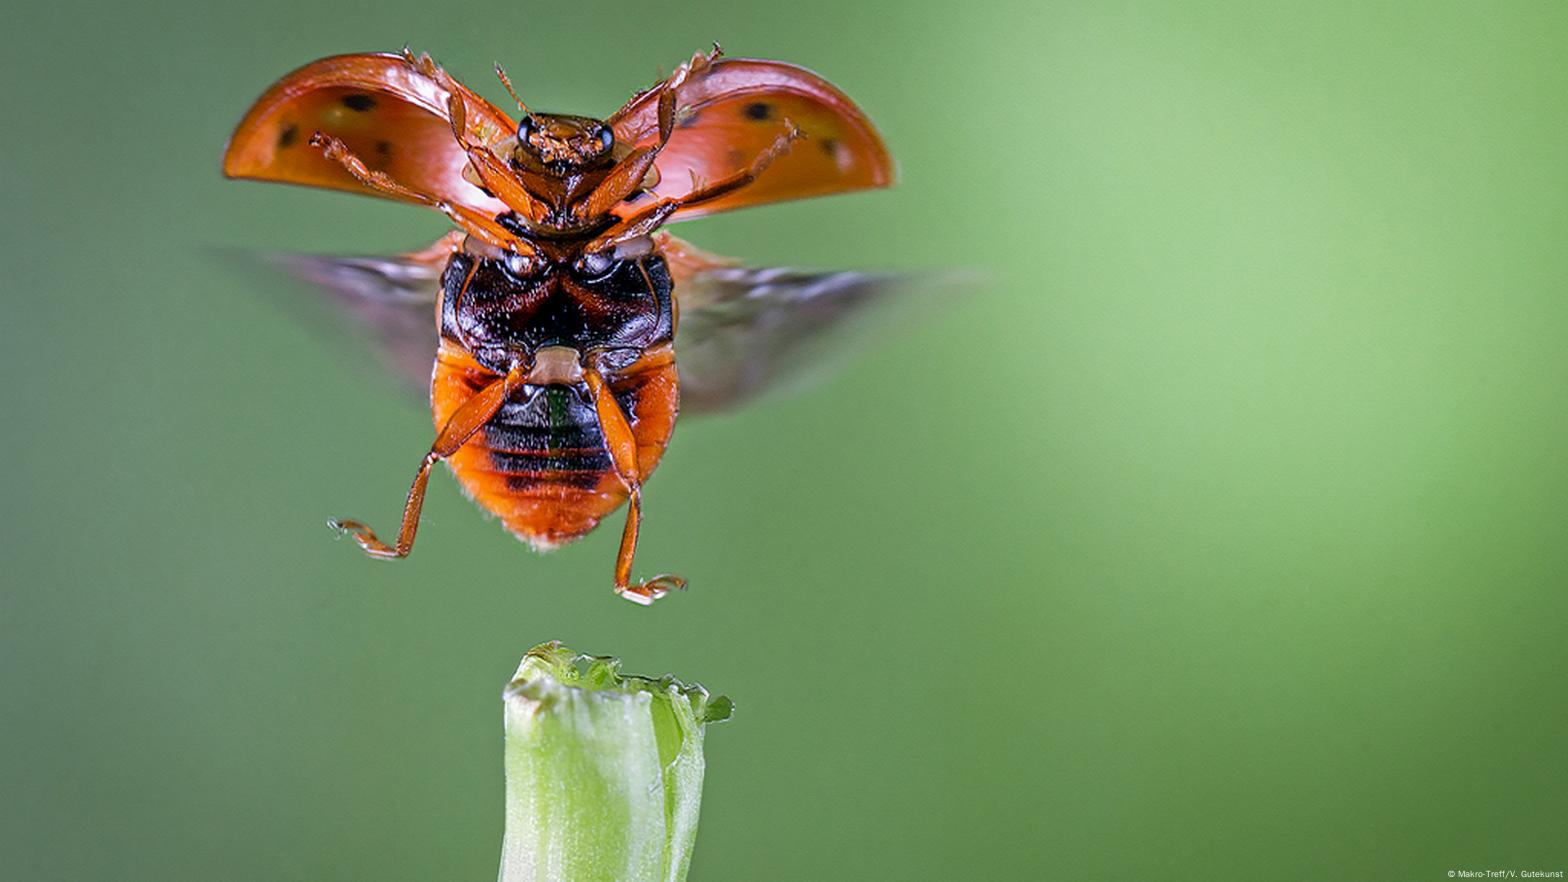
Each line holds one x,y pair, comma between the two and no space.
543,508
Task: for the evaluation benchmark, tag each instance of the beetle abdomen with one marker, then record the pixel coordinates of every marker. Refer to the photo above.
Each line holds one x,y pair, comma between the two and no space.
548,430
540,464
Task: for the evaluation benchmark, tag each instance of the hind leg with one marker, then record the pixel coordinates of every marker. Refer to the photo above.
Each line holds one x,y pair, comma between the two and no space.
622,445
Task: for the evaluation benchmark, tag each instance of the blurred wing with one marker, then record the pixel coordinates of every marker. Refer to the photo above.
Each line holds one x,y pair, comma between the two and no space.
389,300
744,331
391,112
732,110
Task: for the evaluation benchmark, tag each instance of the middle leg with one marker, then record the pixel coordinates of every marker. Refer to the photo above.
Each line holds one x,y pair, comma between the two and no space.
651,218
468,419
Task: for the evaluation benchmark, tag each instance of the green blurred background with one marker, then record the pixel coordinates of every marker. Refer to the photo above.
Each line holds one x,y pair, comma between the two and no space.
1220,534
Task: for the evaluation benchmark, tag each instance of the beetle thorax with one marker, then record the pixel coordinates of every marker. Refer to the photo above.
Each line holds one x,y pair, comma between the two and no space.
505,309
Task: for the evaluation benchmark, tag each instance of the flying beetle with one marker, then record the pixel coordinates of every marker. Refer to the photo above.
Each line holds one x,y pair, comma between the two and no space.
559,303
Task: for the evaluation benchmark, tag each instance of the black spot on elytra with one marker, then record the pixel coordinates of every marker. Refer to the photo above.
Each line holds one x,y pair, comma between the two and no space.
384,148
829,146
758,110
288,136
358,102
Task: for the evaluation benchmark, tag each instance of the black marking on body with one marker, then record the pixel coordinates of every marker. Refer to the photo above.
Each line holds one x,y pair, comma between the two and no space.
288,136
384,148
829,146
758,110
496,314
578,480
547,429
359,102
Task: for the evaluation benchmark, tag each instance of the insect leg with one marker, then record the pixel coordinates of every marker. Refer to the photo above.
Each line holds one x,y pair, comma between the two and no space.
468,419
470,220
492,172
622,446
626,177
339,152
779,147
629,174
649,219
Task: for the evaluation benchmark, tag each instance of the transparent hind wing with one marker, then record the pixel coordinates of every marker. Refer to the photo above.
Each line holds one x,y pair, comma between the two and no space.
388,302
745,331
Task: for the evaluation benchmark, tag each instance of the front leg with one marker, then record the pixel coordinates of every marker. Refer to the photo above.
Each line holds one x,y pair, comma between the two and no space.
628,175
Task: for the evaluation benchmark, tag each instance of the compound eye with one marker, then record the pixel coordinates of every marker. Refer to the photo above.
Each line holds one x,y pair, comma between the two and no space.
525,127
606,137
595,266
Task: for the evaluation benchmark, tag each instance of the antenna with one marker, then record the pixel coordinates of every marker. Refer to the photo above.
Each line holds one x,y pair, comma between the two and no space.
507,82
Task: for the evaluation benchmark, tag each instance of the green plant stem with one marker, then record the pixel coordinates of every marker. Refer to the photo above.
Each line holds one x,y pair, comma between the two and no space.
603,770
